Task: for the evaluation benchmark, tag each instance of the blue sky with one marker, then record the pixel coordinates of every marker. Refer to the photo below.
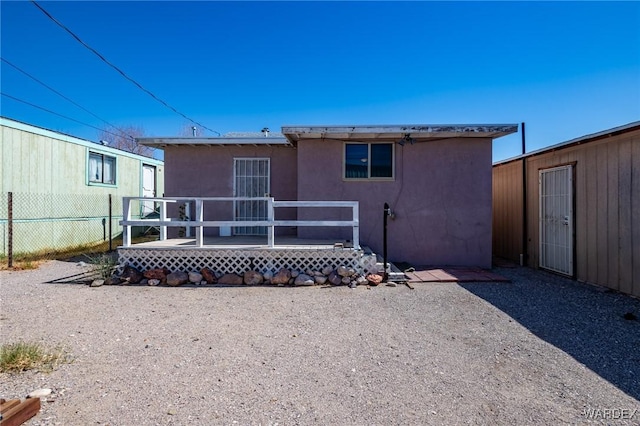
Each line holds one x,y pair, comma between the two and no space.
567,69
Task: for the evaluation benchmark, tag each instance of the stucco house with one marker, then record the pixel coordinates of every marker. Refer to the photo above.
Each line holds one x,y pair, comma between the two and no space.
60,187
435,178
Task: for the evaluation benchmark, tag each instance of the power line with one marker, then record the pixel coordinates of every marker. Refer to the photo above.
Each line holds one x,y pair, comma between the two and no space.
59,115
65,97
118,69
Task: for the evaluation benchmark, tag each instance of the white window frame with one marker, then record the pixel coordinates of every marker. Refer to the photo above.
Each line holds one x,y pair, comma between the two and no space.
369,178
101,181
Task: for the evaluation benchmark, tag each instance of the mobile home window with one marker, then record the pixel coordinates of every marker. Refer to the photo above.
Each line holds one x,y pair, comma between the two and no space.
368,161
102,168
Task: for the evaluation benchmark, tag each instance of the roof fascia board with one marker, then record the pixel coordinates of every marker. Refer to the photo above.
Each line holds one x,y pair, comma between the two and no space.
294,133
264,141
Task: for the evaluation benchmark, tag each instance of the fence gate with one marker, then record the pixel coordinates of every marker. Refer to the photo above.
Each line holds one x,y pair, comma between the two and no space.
556,219
251,178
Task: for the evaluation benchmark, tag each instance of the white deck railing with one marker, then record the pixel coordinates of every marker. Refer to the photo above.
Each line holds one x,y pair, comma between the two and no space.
163,222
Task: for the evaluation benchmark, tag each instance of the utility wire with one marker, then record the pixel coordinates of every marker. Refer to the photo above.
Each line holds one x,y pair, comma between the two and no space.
65,97
55,113
118,69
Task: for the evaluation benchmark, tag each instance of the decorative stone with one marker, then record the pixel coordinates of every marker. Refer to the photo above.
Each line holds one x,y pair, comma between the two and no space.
392,284
195,277
304,279
267,276
294,273
320,279
318,273
291,281
131,275
112,281
374,279
253,278
334,278
346,280
40,393
281,277
209,276
230,279
144,281
177,278
157,274
360,280
96,283
343,271
203,282
352,284
153,281
326,270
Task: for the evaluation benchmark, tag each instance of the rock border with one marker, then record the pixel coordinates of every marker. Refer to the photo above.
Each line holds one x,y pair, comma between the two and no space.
338,276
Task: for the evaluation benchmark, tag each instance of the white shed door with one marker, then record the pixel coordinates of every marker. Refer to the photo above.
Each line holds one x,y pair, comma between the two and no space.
251,179
148,188
556,219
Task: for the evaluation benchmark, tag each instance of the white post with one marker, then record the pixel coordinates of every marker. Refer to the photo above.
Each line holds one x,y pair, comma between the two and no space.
270,228
126,215
187,213
163,218
199,218
356,226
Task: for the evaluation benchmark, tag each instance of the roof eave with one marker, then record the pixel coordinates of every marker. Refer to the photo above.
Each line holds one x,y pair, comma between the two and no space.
170,141
415,131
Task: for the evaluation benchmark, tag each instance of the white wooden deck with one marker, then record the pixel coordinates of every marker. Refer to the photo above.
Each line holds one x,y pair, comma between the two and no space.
244,242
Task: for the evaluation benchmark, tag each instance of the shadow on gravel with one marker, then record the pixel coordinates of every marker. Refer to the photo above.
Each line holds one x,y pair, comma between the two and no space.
586,322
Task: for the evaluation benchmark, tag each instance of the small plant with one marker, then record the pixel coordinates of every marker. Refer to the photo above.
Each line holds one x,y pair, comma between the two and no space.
22,356
103,265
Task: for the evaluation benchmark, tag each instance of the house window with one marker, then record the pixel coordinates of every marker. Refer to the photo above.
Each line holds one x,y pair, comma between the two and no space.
368,161
102,168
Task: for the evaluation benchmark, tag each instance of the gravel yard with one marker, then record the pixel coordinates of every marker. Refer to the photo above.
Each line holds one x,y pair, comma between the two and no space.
538,350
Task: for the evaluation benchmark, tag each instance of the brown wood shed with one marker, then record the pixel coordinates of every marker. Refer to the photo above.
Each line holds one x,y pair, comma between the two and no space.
577,207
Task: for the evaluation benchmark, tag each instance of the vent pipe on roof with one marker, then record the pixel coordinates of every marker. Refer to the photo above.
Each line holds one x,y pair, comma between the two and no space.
194,129
265,130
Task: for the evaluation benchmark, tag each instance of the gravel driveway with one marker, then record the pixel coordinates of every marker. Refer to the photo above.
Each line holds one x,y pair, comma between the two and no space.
538,350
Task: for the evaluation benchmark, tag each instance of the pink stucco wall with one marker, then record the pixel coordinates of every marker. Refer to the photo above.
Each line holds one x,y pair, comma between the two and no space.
207,171
441,197
441,194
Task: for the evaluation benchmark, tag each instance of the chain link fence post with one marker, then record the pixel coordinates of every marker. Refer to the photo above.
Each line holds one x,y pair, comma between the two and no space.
10,229
110,224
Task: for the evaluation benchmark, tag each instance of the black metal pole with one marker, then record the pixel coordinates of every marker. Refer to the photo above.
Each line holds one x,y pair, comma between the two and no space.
110,224
385,277
10,229
525,233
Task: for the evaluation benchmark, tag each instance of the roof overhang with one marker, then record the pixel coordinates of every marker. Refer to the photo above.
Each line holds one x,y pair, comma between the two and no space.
615,131
417,132
218,141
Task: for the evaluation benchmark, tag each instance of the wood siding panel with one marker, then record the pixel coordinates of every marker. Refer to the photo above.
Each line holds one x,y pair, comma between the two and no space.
635,215
580,213
612,246
602,214
625,242
591,205
507,211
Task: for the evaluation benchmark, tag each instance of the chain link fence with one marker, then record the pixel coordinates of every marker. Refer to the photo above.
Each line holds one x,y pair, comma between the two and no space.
43,225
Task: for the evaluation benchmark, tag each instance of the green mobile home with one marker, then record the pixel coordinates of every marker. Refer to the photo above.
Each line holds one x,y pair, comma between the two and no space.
59,190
